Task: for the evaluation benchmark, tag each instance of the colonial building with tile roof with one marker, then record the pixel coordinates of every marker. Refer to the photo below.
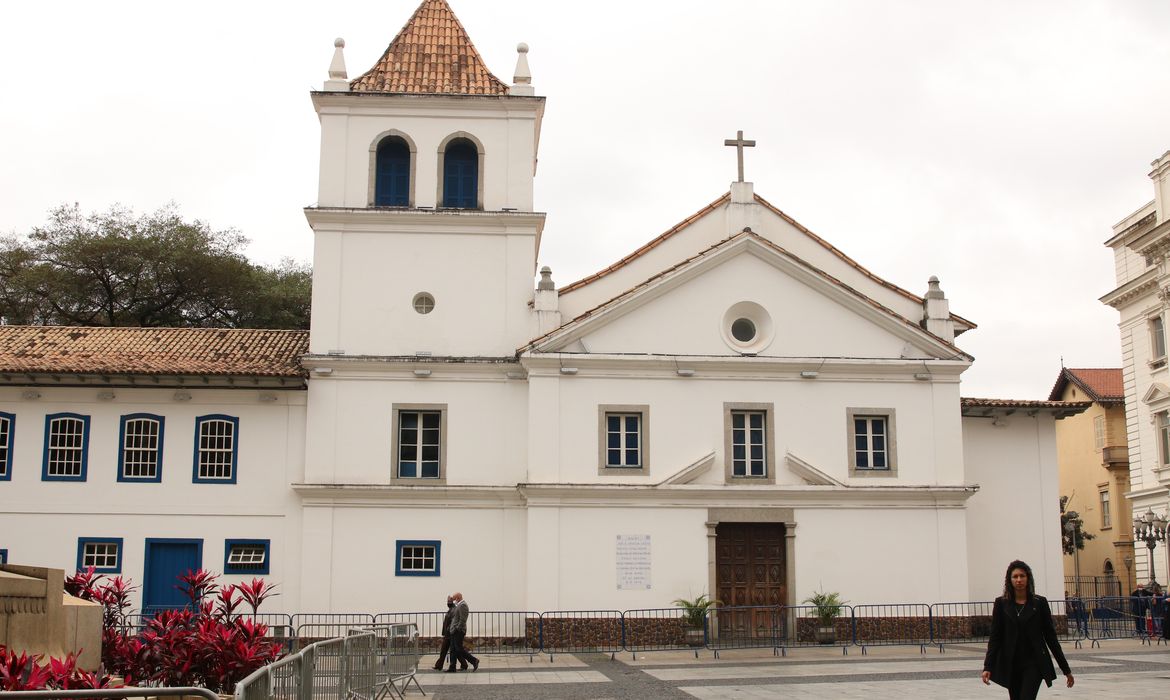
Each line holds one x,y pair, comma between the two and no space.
1093,458
711,413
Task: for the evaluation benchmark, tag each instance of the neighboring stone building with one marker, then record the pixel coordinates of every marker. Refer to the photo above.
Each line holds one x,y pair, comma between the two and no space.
1094,475
1141,252
736,406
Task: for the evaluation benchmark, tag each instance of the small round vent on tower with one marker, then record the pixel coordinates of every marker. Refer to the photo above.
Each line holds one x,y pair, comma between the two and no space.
423,303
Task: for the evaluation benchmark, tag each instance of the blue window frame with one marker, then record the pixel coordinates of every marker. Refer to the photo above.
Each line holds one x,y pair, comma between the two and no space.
216,449
140,447
3,556
461,175
392,173
7,432
104,554
66,447
247,556
417,557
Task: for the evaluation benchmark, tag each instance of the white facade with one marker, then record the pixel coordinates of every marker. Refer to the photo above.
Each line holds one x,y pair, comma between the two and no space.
738,315
1141,243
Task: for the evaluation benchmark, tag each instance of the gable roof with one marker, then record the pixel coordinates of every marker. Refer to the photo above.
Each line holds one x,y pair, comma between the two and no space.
431,54
575,327
962,324
1100,385
151,351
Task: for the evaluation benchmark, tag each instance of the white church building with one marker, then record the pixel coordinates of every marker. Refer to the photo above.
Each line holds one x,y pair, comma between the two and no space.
736,407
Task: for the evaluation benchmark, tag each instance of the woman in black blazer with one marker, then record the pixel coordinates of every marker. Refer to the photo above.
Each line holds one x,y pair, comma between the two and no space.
1021,635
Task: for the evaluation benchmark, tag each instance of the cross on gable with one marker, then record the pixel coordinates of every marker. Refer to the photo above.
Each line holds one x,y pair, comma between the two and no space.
739,144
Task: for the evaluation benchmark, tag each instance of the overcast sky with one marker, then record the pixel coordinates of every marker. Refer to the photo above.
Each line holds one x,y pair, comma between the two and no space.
993,144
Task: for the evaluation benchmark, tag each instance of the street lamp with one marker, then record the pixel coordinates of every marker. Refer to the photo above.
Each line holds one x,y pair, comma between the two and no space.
1070,526
1151,529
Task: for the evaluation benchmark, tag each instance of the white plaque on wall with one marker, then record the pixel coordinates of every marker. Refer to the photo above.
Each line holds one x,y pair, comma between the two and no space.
633,562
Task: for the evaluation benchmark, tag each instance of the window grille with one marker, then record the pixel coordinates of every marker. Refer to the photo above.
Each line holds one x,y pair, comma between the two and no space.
216,453
6,421
870,442
623,440
65,447
141,447
748,443
419,438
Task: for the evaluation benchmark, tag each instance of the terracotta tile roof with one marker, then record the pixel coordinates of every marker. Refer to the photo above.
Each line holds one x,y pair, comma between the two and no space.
1100,385
152,351
432,54
971,406
648,247
762,241
966,324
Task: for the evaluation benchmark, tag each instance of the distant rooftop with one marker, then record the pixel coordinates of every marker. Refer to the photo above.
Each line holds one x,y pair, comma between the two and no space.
1105,386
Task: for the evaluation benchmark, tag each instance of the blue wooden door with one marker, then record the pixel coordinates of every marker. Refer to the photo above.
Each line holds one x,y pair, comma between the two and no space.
166,560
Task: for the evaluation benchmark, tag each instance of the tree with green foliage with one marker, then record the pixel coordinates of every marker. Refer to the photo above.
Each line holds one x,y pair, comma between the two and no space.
117,268
1074,536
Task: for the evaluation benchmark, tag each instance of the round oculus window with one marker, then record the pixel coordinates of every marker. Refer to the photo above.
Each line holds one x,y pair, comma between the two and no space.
423,303
743,330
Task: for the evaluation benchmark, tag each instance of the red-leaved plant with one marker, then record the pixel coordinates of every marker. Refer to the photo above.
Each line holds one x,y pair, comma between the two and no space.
25,672
206,644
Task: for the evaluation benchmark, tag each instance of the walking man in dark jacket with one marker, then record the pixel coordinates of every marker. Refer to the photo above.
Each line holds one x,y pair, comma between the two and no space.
458,632
447,635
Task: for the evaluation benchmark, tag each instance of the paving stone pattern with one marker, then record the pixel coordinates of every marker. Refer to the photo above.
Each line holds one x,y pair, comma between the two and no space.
1120,670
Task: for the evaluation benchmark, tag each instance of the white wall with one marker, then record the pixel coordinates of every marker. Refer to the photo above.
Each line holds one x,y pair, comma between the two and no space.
1016,514
41,521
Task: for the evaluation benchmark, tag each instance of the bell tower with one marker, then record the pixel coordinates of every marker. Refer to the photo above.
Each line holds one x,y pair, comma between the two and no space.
425,234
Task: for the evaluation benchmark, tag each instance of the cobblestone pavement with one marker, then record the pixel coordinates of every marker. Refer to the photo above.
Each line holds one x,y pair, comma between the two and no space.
1119,670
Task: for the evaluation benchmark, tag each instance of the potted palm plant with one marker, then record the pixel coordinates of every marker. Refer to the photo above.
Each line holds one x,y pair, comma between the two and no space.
826,608
694,618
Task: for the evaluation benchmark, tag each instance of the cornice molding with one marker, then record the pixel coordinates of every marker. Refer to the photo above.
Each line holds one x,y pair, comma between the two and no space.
527,495
386,220
1133,289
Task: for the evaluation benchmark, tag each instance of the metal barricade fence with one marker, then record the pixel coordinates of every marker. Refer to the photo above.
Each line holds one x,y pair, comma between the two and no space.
319,671
800,626
396,658
311,627
960,623
745,627
895,624
503,632
1113,618
1069,619
429,625
663,629
571,631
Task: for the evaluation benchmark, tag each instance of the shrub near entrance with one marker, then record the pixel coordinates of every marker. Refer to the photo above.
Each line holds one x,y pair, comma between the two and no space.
206,644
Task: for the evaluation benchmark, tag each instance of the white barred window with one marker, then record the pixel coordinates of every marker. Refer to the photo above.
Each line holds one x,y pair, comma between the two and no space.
215,453
141,447
103,554
66,441
6,420
246,557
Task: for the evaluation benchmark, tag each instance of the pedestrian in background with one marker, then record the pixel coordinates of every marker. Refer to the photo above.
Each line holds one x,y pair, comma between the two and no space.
458,632
1021,635
443,650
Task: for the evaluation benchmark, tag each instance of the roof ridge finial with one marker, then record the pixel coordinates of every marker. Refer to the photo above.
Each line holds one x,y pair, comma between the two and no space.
522,77
338,79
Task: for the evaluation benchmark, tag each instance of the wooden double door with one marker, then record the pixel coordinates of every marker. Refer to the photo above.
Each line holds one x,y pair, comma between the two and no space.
750,577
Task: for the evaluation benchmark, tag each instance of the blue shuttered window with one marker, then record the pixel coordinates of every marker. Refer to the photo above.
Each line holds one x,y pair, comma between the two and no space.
392,173
141,446
461,175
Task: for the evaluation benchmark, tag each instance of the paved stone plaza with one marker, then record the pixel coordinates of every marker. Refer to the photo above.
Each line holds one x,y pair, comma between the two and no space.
1121,670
